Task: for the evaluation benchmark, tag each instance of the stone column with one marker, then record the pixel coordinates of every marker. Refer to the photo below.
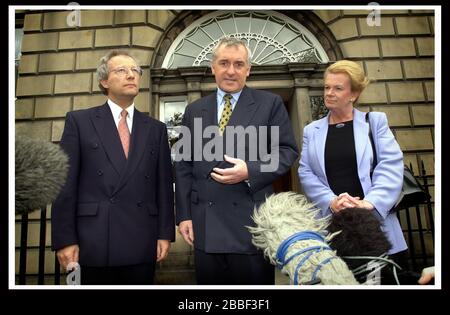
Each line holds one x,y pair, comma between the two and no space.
304,76
193,77
155,79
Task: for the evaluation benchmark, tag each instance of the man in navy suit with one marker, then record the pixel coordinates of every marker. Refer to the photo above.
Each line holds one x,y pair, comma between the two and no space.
215,201
115,214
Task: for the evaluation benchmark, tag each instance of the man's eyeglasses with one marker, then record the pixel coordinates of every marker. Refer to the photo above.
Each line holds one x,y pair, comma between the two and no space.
123,71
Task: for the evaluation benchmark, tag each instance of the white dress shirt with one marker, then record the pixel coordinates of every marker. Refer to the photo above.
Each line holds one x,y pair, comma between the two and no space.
221,101
116,110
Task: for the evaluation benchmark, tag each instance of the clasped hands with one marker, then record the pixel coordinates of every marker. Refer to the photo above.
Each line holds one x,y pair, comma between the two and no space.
232,175
344,200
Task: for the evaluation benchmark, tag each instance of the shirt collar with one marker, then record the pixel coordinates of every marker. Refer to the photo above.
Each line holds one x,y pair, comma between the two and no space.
221,94
116,110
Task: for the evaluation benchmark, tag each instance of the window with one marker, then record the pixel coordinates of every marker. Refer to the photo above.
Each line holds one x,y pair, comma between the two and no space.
273,38
171,110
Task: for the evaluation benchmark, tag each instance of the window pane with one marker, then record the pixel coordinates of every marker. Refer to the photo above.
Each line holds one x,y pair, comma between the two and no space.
273,39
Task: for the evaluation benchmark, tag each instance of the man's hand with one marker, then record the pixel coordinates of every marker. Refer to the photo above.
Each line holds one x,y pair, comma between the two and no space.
186,230
233,175
68,254
162,250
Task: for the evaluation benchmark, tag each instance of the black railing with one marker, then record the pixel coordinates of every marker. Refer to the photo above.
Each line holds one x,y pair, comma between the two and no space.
418,259
23,252
418,254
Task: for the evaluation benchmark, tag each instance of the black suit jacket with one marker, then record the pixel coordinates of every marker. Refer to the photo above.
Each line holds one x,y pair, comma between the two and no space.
221,213
114,208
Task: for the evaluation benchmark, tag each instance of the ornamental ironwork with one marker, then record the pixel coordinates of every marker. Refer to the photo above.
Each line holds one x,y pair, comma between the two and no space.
272,37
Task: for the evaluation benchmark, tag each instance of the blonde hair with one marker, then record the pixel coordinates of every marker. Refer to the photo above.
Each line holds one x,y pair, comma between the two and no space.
358,79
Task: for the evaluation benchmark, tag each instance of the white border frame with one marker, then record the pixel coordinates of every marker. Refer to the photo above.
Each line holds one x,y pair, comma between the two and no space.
437,126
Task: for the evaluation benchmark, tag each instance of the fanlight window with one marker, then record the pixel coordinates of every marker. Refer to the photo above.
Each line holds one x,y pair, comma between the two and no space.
273,39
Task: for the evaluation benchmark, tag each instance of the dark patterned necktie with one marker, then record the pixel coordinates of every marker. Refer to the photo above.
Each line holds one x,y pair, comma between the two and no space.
226,113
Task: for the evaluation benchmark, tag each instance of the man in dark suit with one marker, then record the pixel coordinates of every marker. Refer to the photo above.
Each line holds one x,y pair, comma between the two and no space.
215,200
115,214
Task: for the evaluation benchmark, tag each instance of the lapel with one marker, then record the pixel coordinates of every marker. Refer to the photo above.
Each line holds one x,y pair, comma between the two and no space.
361,134
209,111
139,135
242,114
103,122
209,118
244,110
320,137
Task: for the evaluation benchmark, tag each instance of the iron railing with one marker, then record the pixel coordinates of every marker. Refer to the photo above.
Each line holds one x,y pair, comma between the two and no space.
419,252
420,255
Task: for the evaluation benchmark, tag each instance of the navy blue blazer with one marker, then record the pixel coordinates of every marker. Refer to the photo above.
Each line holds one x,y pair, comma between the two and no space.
115,209
382,190
221,213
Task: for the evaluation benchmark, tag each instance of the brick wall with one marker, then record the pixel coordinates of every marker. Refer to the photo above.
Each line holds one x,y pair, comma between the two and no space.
58,63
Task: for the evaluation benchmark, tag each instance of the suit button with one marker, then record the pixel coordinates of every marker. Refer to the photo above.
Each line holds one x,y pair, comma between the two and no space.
113,200
152,152
210,203
235,204
99,172
139,204
94,145
147,176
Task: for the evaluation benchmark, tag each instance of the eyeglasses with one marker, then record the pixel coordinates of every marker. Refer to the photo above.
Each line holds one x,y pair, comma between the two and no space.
123,71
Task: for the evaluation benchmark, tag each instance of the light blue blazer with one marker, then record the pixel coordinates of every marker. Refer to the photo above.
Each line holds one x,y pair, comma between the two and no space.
384,188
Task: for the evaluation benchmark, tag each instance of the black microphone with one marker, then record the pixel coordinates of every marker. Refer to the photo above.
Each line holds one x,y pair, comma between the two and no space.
41,172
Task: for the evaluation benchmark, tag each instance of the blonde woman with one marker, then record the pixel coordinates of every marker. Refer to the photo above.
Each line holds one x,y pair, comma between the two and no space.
337,158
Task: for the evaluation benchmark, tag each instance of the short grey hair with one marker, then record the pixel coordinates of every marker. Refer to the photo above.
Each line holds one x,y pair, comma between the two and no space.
103,69
231,42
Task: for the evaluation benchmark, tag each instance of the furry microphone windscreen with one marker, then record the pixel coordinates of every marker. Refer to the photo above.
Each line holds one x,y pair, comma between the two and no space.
41,171
286,215
361,234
